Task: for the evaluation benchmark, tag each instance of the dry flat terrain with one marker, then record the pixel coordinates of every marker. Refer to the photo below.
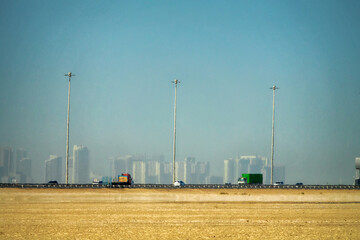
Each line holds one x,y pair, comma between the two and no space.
179,214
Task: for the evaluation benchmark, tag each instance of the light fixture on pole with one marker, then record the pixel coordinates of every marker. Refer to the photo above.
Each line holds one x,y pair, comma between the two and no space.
273,138
174,143
67,136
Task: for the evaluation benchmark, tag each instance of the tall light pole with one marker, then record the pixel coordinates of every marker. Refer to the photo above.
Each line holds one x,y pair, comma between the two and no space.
69,74
272,138
174,145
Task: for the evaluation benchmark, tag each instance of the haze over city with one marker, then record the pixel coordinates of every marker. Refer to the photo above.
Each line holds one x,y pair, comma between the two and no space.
226,54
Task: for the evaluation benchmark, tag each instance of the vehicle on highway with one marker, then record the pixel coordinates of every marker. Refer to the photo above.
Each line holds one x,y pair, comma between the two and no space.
179,184
53,182
278,183
251,178
228,184
299,184
97,182
123,179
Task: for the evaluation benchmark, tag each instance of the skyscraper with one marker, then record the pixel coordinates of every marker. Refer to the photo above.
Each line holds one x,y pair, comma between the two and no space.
14,166
202,172
19,155
139,171
154,171
122,164
25,170
53,169
179,171
357,171
81,165
189,170
229,170
233,169
5,162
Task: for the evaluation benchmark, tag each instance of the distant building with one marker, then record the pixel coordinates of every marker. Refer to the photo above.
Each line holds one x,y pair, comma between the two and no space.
25,169
154,171
189,170
122,164
202,172
53,169
179,170
81,165
5,163
166,176
19,155
139,172
15,167
229,171
357,171
233,169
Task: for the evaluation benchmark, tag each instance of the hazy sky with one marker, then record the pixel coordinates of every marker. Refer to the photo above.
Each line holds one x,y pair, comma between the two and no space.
225,53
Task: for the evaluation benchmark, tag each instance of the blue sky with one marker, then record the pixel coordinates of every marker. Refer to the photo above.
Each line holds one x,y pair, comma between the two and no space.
225,53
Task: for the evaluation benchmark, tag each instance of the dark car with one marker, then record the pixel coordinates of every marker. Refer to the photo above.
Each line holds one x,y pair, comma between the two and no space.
299,184
53,182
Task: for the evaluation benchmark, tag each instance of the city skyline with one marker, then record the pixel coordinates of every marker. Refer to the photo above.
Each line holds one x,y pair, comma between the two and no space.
16,167
226,54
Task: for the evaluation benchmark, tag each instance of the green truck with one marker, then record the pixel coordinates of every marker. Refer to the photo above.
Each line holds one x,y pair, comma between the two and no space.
251,178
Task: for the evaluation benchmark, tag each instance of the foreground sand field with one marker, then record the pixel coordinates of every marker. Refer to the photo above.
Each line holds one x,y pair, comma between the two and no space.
179,214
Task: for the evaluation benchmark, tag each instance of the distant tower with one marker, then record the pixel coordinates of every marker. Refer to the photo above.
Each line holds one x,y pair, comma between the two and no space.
81,164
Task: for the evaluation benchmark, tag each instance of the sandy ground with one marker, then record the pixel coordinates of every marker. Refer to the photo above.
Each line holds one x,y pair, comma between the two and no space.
179,214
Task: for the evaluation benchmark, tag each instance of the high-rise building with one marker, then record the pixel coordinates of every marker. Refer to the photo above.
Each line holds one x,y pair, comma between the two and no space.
26,170
189,170
139,172
122,164
357,171
53,169
5,162
154,171
179,171
202,172
251,164
81,165
19,155
166,176
15,167
233,169
229,170
279,173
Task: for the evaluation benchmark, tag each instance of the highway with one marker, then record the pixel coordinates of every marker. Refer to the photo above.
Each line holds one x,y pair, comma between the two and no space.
170,186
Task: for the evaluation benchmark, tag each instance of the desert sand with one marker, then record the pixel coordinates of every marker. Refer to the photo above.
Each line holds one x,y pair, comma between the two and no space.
179,214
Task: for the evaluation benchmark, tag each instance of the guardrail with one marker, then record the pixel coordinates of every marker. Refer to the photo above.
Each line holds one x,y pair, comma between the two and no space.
170,186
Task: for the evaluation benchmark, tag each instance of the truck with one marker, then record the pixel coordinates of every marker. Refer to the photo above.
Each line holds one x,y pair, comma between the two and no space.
251,178
123,179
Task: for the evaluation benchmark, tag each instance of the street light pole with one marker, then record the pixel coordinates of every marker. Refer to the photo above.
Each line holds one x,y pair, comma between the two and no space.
174,143
273,138
67,136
